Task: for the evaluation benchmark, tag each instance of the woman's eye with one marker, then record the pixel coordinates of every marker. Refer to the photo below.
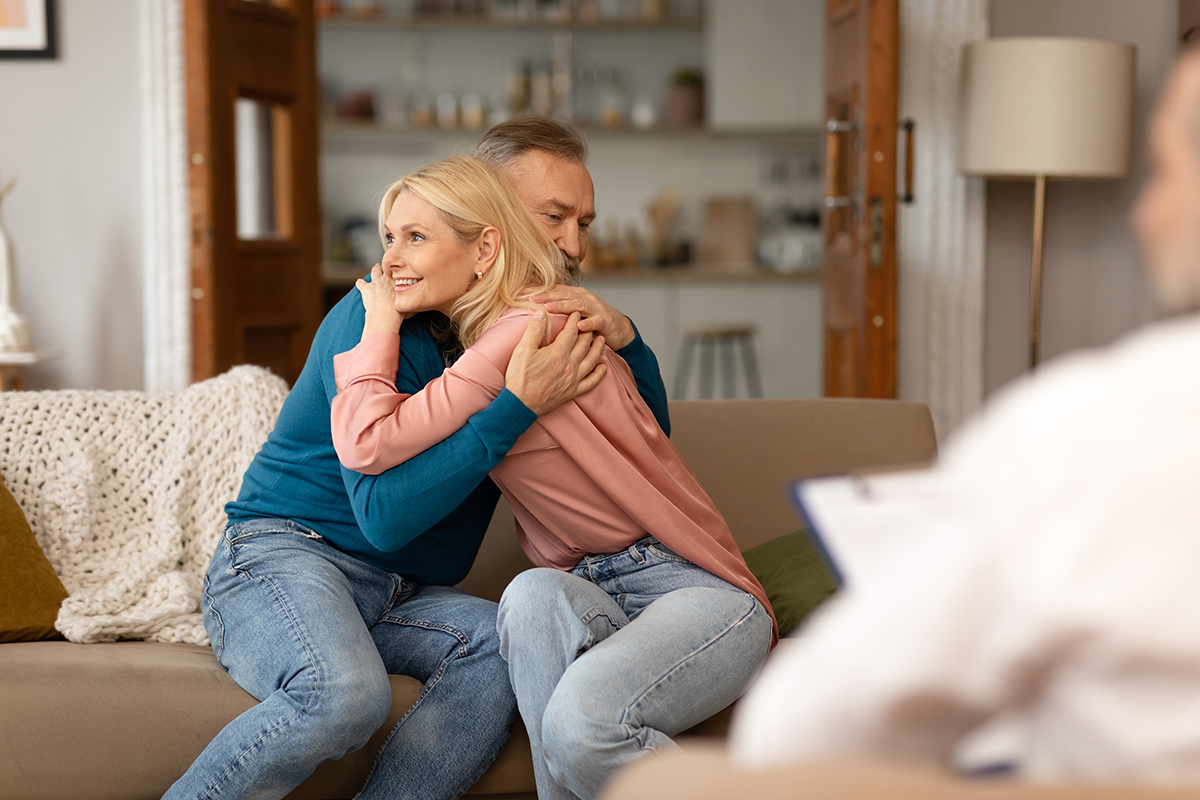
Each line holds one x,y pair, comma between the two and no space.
416,237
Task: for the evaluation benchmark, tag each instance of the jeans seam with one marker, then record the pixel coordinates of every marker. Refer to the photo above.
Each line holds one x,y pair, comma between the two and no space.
674,557
281,724
600,612
217,646
463,640
428,687
754,605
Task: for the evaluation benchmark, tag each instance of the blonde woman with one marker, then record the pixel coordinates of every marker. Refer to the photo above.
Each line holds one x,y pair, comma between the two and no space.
641,619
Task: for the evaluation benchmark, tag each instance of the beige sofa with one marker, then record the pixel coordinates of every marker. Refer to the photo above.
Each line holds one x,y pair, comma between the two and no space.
123,720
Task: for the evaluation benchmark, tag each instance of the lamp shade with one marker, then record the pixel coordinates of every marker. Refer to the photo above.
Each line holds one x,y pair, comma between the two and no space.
1047,106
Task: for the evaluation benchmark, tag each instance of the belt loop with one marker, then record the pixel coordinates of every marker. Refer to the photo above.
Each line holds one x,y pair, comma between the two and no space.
637,553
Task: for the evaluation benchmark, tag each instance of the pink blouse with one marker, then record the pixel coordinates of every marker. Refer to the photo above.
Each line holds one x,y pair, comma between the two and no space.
594,475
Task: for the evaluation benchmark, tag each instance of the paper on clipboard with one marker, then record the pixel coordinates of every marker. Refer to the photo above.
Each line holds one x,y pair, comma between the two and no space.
858,521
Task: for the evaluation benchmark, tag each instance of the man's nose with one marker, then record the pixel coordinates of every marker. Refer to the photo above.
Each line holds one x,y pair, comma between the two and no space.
571,242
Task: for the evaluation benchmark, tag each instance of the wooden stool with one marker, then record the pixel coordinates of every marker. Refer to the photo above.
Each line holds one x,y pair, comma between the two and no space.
710,341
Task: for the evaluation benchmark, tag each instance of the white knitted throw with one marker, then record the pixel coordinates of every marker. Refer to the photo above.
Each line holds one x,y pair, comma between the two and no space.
125,492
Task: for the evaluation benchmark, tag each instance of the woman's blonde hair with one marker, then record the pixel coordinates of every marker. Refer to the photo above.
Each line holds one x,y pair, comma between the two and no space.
470,195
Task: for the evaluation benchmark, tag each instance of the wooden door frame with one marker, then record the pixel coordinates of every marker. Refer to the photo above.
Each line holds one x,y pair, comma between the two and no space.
234,310
860,324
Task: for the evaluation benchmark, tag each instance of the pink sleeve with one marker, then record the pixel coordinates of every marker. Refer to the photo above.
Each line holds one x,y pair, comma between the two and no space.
375,427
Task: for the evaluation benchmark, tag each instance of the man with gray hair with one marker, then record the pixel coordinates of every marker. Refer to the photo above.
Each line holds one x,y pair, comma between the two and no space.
545,160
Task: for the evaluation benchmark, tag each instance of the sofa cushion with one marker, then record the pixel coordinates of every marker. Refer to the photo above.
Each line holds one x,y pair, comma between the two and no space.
133,716
794,575
32,591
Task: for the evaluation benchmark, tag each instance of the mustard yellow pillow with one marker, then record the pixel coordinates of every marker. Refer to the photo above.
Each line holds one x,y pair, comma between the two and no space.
31,592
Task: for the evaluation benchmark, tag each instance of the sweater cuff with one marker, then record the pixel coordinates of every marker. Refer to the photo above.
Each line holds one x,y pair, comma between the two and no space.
635,348
501,424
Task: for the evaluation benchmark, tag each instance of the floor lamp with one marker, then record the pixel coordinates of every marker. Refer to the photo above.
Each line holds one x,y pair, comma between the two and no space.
1046,108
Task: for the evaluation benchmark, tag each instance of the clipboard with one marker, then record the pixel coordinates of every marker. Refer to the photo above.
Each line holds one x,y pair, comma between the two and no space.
858,522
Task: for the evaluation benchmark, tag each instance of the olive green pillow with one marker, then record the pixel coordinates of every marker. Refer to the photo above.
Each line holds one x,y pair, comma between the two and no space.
795,576
31,593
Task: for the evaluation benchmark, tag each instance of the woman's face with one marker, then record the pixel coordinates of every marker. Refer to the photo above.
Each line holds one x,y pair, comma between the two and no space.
430,265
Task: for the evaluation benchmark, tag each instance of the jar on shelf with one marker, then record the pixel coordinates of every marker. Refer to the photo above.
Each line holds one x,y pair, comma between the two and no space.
473,116
684,103
542,90
612,100
520,80
447,111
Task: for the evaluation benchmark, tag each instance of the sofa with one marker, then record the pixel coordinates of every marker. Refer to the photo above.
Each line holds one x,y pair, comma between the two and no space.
121,717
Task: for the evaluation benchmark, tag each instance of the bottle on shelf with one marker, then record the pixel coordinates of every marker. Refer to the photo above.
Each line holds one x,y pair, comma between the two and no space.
520,87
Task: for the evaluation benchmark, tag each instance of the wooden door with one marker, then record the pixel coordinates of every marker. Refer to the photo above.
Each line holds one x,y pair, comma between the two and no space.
252,129
862,46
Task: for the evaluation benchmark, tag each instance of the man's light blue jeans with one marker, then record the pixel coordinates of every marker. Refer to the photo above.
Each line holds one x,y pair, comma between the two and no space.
313,634
611,659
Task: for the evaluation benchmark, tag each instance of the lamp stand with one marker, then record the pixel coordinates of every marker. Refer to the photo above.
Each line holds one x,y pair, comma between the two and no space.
1035,287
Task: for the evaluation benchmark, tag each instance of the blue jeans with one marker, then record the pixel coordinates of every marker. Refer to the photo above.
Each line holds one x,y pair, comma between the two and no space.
611,659
313,634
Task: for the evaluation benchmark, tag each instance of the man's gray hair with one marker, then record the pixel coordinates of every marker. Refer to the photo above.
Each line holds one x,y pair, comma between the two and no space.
507,140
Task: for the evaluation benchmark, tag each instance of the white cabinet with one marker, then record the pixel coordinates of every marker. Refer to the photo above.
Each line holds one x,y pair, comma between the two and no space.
785,312
766,64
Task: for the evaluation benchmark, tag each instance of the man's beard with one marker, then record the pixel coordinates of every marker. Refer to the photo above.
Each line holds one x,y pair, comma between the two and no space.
572,271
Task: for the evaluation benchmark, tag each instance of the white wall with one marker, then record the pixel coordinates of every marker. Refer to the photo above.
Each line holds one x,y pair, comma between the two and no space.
1093,286
70,130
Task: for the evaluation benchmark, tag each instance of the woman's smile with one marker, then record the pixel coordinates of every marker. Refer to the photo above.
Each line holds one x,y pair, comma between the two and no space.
417,240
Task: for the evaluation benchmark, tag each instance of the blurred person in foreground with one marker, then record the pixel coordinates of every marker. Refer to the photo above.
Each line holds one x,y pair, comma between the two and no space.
1044,571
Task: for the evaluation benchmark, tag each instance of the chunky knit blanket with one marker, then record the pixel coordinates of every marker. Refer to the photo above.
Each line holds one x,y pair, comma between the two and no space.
125,492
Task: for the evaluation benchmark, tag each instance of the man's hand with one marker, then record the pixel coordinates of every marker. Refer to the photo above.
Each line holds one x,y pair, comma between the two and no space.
544,377
597,315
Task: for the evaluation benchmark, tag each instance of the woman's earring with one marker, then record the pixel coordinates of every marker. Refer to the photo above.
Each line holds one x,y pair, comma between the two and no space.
479,275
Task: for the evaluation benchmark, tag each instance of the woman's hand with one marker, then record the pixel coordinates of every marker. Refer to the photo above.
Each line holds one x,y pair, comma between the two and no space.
597,315
379,300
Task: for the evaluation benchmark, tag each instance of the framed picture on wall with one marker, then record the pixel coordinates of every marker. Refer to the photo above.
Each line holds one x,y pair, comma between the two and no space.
27,29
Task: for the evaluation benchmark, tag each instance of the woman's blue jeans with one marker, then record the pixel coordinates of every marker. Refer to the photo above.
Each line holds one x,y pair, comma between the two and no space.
611,659
313,634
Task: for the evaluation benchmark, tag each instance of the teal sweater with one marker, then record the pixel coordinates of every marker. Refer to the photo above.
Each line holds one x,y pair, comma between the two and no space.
425,518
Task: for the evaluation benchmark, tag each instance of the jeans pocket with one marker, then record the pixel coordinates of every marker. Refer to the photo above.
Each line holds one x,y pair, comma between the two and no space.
243,535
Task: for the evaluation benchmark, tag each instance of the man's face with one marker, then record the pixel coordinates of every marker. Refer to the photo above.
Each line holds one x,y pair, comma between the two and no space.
558,193
1167,215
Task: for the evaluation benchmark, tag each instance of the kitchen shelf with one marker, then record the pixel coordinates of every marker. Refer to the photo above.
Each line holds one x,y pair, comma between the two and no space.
695,273
348,135
344,274
502,23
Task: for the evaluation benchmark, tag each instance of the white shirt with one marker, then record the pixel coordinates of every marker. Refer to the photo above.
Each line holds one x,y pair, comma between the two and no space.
1047,568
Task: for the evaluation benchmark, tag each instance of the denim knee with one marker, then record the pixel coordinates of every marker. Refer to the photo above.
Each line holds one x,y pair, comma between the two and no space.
344,709
525,595
574,739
